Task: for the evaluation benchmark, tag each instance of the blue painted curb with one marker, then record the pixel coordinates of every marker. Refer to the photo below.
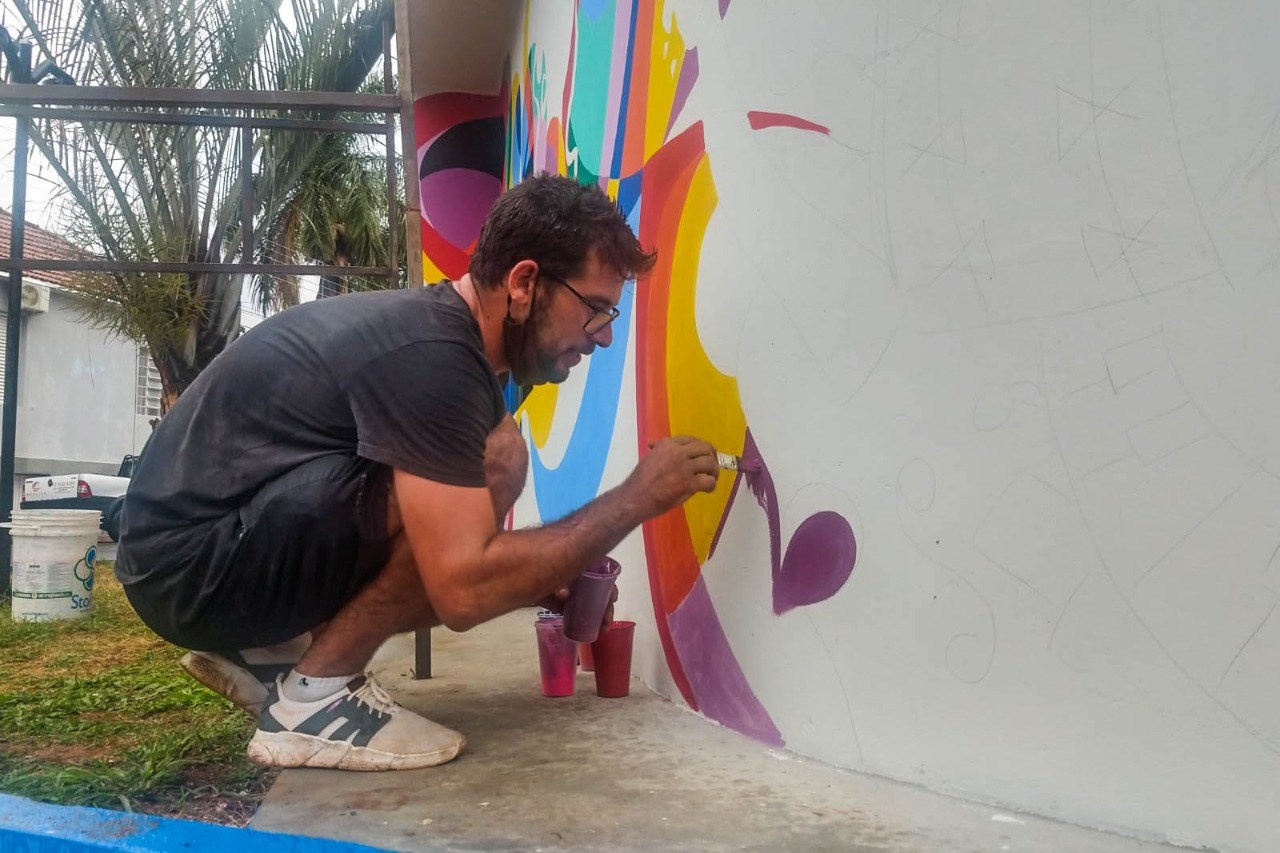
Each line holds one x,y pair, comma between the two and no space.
30,827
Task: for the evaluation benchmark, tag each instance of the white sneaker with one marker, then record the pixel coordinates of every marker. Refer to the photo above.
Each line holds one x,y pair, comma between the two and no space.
357,728
246,676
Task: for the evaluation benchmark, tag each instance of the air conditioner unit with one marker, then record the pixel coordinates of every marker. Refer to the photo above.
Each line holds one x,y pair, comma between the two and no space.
35,298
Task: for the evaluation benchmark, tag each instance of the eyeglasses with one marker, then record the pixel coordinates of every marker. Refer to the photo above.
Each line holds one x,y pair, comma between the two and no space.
598,319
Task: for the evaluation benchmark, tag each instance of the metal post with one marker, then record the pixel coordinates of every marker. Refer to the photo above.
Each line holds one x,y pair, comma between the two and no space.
246,194
393,215
19,72
422,653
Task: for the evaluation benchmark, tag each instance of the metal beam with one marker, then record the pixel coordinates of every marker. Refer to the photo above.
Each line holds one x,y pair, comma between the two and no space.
199,119
107,265
231,99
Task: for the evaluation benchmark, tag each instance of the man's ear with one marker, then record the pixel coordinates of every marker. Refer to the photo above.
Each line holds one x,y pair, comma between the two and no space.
520,283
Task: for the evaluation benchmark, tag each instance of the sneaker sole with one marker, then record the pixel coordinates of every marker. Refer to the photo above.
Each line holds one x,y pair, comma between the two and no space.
291,749
209,672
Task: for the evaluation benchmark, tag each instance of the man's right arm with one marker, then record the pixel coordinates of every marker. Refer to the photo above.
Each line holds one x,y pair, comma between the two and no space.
472,572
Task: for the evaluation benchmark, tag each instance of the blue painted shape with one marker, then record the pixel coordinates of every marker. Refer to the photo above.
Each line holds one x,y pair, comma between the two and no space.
593,10
576,480
629,198
30,827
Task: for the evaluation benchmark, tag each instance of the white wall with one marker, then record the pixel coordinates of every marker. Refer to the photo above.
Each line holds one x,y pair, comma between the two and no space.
1010,316
76,395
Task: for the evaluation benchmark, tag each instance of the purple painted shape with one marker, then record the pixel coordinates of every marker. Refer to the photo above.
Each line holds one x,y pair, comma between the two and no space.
550,157
688,76
715,677
820,558
821,553
724,7
456,201
760,481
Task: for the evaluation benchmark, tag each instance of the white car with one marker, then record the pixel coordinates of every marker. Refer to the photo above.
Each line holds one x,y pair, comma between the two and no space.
77,491
72,491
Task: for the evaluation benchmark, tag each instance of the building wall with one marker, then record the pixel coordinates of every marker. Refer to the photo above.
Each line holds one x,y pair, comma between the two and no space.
986,289
76,395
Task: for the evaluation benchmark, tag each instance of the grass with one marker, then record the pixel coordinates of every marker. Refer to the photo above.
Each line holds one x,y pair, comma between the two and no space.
97,712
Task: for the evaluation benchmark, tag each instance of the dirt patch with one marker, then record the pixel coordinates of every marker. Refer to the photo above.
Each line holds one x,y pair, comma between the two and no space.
85,651
201,799
68,753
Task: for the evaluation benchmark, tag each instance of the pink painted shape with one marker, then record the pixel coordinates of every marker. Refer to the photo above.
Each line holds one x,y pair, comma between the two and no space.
760,120
724,7
716,679
456,201
621,36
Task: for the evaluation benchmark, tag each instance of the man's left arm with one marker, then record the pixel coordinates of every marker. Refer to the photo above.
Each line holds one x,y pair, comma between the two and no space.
506,468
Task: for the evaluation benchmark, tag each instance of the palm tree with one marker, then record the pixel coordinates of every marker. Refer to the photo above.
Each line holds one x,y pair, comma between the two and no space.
336,215
143,192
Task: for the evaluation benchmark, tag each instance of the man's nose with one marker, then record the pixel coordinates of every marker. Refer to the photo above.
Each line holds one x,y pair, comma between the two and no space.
604,337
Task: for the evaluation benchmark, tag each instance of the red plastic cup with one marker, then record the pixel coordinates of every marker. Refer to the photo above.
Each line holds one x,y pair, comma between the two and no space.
586,662
589,595
558,657
612,653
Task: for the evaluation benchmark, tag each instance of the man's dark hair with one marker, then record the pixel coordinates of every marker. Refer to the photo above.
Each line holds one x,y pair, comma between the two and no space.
556,222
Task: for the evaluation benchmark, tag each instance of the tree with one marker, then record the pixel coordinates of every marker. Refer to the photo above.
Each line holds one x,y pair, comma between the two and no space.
336,215
154,192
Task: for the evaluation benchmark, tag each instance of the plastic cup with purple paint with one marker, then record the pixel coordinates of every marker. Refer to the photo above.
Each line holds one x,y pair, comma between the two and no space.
557,655
589,596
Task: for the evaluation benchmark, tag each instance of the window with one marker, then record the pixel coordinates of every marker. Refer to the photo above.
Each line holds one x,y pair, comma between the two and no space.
148,397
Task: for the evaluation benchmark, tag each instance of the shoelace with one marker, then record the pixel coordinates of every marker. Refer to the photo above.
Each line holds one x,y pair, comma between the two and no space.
372,696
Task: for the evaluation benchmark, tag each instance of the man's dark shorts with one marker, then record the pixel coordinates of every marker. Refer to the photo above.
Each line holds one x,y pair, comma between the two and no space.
288,560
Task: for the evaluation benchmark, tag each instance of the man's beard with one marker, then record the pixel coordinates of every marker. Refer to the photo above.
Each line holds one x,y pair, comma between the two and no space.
529,366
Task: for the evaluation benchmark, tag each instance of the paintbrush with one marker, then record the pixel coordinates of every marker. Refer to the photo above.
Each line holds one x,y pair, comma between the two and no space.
729,462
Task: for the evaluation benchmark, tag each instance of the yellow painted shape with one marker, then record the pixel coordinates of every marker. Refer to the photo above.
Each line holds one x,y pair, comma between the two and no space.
540,409
430,272
665,60
702,401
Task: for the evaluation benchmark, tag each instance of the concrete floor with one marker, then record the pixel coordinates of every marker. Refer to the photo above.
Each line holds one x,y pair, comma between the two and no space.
637,773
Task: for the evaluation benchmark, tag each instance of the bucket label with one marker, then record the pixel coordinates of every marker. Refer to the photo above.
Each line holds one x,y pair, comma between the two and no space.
44,589
41,579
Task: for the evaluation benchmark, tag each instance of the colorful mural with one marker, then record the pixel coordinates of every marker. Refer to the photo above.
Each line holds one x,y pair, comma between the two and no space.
460,174
628,77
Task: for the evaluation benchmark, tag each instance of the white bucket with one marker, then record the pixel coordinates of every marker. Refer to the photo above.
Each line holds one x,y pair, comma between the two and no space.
53,555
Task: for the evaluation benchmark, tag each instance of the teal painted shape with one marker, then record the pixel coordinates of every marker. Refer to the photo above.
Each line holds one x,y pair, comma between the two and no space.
30,827
593,65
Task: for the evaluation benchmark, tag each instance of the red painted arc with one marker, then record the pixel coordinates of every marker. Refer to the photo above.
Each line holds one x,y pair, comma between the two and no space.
672,564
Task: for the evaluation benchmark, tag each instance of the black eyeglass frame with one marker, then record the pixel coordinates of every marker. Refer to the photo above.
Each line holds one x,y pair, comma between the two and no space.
596,313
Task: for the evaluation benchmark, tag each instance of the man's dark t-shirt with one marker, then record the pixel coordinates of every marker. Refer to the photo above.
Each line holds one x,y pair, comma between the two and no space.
395,377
